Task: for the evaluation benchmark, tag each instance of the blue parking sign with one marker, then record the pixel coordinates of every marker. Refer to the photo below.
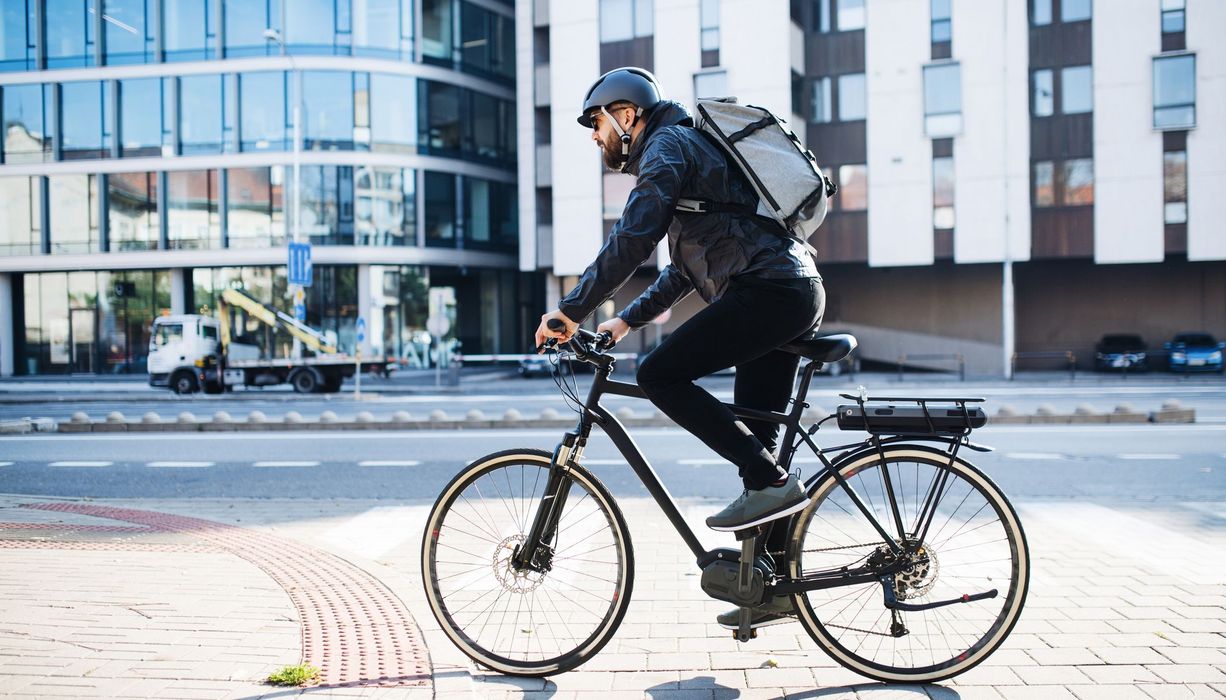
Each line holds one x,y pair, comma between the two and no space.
300,264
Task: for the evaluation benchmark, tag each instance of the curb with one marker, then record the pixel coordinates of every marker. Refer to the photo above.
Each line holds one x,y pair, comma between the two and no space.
115,422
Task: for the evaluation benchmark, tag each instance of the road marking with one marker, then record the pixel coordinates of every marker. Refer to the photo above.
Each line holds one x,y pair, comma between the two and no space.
389,463
285,464
701,462
1148,455
6,464
616,462
1034,455
180,464
80,464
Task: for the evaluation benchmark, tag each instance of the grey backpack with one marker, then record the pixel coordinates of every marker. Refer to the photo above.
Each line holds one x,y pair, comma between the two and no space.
790,185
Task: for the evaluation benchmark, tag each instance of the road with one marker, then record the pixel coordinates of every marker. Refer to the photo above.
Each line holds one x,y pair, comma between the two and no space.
1143,464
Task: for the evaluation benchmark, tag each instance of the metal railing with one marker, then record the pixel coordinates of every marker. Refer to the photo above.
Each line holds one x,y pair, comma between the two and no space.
1066,355
955,356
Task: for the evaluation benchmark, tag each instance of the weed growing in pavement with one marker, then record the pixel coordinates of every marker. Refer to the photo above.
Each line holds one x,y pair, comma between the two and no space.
301,675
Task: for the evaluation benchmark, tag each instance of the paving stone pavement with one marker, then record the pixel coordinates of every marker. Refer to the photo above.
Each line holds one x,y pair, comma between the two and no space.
1124,603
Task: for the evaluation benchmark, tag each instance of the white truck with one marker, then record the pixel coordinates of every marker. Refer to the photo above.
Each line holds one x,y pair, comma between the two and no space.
190,353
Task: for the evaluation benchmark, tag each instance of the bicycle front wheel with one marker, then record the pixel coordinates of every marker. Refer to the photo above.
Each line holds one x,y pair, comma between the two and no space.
968,541
513,620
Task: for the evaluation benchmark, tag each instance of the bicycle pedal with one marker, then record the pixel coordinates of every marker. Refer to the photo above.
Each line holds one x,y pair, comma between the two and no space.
736,634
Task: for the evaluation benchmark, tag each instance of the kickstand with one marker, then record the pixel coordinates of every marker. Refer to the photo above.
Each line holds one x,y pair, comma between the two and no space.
744,583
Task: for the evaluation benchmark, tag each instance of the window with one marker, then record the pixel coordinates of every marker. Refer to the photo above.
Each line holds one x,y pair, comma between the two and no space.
853,187
69,33
1175,91
129,30
245,24
385,206
1172,16
1175,186
942,28
851,15
1076,90
74,213
798,93
310,25
132,211
1043,93
262,100
140,117
327,110
1074,10
18,27
192,217
823,109
168,333
255,207
201,105
851,97
20,232
821,16
22,114
88,133
489,131
709,25
440,129
487,42
188,29
436,30
712,84
1063,183
326,204
440,215
490,218
623,20
393,113
1040,12
943,192
381,29
942,100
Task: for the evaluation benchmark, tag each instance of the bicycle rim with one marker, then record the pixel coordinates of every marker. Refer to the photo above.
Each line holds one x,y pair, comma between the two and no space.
974,544
520,622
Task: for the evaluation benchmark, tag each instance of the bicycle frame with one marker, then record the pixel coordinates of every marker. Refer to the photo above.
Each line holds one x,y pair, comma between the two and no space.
572,445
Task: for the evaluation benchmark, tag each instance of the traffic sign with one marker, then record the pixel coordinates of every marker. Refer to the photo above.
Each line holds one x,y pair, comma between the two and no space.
300,264
300,312
361,329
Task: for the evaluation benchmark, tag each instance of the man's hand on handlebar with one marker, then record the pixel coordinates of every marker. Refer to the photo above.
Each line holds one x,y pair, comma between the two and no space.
555,325
616,328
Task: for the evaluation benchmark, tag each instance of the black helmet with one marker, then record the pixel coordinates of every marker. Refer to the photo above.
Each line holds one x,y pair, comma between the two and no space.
629,84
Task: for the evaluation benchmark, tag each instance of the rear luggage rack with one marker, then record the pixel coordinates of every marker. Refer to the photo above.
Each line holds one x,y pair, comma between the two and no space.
951,416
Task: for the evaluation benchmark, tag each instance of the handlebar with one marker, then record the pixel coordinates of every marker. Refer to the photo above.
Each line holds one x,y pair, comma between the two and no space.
585,344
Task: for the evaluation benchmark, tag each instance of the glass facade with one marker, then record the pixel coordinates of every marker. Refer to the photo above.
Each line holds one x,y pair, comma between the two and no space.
97,320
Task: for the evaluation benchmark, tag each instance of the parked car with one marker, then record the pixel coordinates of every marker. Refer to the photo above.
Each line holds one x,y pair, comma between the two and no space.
546,365
1194,352
1121,351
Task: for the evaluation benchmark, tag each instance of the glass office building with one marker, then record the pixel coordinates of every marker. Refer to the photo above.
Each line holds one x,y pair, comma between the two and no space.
148,157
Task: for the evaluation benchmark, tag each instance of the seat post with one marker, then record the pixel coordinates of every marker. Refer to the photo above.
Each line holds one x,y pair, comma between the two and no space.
806,377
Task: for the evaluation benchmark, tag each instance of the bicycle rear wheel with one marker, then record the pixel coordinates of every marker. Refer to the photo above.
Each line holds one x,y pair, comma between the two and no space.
523,622
973,544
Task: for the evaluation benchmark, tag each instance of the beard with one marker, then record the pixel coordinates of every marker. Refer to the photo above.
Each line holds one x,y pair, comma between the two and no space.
611,151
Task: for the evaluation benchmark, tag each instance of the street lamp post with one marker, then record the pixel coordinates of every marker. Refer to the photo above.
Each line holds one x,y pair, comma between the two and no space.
273,35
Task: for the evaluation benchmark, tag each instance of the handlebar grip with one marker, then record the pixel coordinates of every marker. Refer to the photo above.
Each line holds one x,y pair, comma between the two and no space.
556,324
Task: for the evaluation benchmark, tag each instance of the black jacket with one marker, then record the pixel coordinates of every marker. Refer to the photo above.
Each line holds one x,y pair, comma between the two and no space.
673,160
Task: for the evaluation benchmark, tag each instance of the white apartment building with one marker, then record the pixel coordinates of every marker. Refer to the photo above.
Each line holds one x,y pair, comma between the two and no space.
1016,176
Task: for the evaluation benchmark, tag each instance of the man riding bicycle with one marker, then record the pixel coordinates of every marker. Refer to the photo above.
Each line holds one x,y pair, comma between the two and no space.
761,286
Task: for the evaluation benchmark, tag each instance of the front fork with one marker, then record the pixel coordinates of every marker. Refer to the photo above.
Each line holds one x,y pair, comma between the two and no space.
535,553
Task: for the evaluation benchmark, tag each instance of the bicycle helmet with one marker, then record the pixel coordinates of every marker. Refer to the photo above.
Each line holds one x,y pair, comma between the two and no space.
629,84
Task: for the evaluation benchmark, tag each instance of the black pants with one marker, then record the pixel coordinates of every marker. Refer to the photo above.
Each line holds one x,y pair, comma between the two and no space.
743,329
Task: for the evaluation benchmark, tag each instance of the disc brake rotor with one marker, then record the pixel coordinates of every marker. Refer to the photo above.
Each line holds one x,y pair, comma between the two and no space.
514,580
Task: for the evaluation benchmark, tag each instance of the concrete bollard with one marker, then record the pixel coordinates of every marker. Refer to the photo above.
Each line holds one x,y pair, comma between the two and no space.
1123,408
1046,413
438,415
550,414
364,417
187,417
151,418
222,417
402,417
1085,413
257,417
292,417
625,413
1171,405
114,417
1006,411
80,417
1124,413
475,415
328,417
1173,412
512,416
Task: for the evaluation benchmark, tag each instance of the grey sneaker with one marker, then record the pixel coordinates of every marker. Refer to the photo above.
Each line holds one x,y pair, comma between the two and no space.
776,611
757,507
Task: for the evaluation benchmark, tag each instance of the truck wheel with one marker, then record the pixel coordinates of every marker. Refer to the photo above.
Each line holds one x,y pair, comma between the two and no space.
333,384
183,383
305,382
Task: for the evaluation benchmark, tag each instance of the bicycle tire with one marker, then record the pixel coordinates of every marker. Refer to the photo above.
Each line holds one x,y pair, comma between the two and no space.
831,616
576,634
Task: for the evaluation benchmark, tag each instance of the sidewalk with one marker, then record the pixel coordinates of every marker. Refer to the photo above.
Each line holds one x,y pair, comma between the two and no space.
202,599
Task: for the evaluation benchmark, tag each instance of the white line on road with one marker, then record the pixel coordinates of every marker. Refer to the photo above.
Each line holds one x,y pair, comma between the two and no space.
6,464
285,464
389,463
594,462
80,464
180,464
701,462
1148,455
1034,455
